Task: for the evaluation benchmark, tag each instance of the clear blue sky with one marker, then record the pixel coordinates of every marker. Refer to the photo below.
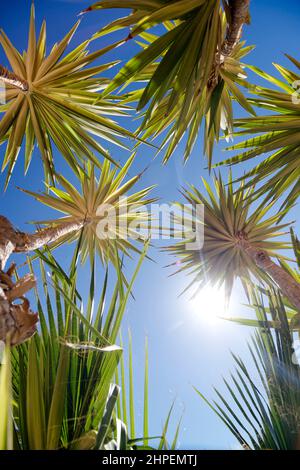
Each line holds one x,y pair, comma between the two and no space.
184,349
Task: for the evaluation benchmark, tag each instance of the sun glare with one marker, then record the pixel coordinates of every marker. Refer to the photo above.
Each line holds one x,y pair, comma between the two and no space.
209,305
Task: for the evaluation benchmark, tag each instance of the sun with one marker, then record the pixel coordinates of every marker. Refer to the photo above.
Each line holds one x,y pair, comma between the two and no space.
209,305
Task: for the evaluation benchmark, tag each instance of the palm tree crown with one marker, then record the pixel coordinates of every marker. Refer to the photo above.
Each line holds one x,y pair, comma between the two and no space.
55,98
232,237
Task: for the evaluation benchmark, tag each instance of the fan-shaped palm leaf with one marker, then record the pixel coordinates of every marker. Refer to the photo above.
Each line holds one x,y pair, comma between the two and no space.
233,238
279,133
198,70
101,200
55,99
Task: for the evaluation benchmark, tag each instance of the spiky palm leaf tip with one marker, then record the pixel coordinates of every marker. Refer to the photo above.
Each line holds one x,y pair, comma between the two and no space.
56,98
278,133
191,71
228,220
123,217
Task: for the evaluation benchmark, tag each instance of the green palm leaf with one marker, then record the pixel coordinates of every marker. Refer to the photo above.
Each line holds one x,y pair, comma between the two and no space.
228,219
61,103
277,133
104,202
61,378
190,72
6,425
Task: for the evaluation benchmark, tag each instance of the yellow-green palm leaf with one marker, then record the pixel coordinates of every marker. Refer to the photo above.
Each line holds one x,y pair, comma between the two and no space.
227,217
62,104
188,78
278,133
109,193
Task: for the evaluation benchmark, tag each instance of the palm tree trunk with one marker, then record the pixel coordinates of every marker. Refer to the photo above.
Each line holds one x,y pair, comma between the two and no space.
12,79
238,11
17,321
12,241
289,287
8,240
239,14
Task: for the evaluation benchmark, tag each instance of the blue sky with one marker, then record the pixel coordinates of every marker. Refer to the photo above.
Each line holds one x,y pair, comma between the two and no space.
185,349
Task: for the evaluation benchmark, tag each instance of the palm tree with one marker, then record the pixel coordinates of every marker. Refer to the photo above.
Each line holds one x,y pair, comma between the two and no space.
80,223
104,199
198,71
56,98
236,242
193,71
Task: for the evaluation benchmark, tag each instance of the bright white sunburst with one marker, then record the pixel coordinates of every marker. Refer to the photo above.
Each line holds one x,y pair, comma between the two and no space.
209,305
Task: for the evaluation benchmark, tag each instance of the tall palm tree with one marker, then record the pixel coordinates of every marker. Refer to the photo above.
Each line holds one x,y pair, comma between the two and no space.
80,222
55,99
192,70
237,243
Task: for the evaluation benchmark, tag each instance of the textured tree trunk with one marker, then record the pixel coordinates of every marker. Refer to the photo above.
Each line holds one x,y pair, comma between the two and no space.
30,242
289,287
8,241
239,15
12,79
17,321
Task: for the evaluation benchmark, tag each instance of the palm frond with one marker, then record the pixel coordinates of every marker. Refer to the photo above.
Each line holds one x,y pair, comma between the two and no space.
191,76
276,133
62,377
61,104
228,218
115,217
6,424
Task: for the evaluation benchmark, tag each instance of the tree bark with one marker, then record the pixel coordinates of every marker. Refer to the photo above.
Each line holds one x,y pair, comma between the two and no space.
289,287
13,241
239,14
12,79
17,321
8,240
30,242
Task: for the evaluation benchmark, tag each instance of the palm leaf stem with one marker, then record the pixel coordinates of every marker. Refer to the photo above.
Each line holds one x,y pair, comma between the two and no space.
239,14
